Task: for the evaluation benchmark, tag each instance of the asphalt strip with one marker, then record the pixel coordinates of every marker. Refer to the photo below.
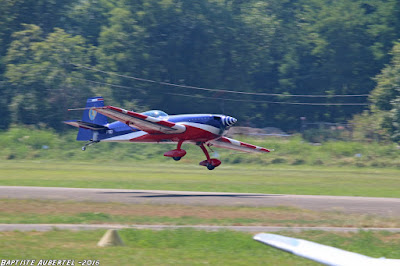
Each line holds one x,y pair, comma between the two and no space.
252,229
389,207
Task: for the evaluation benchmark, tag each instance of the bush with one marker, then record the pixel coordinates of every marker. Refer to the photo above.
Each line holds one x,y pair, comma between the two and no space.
29,143
278,160
318,135
298,162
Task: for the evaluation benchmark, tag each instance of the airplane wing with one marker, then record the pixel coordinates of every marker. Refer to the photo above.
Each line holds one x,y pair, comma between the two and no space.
228,143
143,122
321,253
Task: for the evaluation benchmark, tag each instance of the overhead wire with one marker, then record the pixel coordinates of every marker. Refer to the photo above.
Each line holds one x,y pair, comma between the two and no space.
270,102
227,99
217,90
108,84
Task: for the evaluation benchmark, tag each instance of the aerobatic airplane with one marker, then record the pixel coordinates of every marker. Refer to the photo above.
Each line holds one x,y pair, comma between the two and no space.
203,130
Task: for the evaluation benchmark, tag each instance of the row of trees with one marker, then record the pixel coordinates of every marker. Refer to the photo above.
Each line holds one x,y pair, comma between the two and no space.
303,47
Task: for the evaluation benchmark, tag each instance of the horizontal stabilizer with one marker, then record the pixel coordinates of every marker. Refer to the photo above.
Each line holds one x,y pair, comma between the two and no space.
85,125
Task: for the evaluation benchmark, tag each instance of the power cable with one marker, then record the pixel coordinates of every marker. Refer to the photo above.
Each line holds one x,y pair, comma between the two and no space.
271,102
109,84
227,99
217,90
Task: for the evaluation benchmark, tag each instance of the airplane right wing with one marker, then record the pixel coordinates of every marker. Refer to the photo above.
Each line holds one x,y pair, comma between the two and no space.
228,143
321,253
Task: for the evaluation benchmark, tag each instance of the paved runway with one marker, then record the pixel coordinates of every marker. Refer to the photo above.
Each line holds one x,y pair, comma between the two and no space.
364,205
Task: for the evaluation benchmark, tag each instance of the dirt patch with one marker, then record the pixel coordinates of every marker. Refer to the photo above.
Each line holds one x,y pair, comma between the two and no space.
286,216
172,211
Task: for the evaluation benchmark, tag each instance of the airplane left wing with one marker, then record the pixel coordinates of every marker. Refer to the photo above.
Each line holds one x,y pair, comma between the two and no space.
85,125
143,122
228,143
321,253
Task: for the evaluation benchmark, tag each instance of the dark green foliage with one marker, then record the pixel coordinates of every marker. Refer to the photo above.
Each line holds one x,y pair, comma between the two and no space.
286,47
43,84
386,97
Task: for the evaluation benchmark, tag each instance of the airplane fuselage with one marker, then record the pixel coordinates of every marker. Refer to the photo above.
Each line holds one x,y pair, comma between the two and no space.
199,128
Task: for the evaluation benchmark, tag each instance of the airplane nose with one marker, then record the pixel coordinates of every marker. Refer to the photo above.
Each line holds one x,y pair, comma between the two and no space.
229,121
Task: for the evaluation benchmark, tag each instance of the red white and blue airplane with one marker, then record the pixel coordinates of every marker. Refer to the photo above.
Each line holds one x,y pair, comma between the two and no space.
157,127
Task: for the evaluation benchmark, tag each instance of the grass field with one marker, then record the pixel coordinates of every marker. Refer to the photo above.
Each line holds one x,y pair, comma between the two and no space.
57,212
189,247
284,179
183,247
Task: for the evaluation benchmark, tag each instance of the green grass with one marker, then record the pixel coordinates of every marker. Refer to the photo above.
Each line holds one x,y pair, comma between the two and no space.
31,157
183,247
28,143
307,180
95,218
60,212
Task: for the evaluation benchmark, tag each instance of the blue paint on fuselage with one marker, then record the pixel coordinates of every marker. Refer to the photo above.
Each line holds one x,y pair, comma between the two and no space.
205,119
118,128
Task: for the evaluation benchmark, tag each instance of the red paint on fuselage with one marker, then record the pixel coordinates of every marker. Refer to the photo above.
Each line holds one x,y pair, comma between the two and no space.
191,134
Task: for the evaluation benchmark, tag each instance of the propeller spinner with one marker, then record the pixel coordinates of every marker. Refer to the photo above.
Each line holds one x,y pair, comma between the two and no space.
228,121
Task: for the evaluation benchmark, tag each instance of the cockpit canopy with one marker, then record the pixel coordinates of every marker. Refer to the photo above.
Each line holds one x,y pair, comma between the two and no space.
156,114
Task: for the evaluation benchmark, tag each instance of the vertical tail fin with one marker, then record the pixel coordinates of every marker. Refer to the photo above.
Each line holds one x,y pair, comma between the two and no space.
91,116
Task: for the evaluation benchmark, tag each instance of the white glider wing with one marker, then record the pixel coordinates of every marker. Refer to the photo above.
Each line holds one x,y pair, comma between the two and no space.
321,253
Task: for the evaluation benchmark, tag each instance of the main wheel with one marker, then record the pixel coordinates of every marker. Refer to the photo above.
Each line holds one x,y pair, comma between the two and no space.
84,148
210,167
176,158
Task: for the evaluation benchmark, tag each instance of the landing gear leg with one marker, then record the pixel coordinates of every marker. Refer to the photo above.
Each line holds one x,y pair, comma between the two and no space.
90,143
209,163
94,140
176,154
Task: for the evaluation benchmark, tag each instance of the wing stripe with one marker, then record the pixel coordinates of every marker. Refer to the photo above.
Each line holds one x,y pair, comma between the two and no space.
146,123
142,117
233,144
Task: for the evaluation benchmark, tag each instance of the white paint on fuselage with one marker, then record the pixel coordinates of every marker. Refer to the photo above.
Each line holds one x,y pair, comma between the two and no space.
126,137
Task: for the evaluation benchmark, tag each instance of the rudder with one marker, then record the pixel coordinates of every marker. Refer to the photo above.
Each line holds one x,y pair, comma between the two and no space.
91,116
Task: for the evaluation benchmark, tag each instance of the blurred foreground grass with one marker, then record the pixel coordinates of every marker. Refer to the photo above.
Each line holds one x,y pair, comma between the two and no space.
184,247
